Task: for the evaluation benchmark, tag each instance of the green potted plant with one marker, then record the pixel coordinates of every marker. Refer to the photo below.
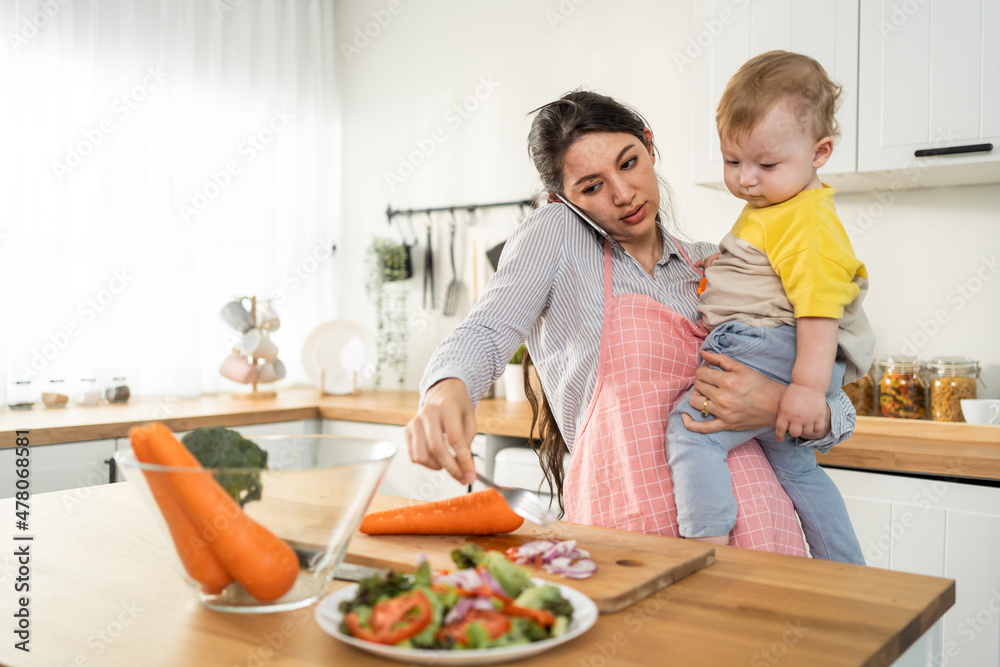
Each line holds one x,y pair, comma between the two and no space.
388,266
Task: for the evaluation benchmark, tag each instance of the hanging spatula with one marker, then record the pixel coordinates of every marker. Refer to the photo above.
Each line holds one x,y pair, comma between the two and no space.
456,286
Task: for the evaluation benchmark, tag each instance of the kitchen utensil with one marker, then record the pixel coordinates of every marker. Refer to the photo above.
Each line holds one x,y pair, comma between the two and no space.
428,269
329,618
314,492
630,566
524,503
256,344
455,287
337,354
237,316
493,254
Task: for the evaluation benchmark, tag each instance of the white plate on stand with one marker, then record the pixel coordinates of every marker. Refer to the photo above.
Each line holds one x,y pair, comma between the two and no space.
339,355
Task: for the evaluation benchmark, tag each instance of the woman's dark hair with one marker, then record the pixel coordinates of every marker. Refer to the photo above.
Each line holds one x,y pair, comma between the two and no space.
559,124
556,127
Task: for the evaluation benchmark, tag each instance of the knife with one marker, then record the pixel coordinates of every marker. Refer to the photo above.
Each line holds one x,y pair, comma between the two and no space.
345,571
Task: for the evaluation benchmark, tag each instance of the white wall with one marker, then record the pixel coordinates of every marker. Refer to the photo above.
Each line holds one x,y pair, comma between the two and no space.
398,88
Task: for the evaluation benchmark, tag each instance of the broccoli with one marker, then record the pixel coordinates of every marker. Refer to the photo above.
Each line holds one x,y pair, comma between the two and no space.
219,447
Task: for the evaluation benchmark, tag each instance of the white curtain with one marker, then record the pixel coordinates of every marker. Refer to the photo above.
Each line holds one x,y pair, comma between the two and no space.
160,157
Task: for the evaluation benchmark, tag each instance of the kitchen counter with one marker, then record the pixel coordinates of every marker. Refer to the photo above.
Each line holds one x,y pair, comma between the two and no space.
103,592
922,447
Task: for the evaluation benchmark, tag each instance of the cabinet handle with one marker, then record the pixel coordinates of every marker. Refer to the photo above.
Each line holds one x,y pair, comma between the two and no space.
954,150
112,470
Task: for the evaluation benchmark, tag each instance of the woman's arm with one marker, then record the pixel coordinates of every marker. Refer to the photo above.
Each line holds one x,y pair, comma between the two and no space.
740,399
472,356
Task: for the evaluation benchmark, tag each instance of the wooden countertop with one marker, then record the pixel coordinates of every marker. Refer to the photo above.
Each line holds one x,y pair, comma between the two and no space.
103,592
961,450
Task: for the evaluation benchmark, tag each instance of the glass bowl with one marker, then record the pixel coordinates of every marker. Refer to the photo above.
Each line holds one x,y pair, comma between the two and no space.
313,495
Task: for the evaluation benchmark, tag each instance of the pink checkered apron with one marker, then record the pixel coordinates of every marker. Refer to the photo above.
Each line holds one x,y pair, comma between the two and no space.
618,475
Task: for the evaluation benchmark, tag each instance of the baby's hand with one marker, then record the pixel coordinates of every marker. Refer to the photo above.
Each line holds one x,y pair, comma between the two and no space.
800,410
708,261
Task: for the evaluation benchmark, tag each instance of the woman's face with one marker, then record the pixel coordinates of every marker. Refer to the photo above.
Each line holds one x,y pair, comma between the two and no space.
610,176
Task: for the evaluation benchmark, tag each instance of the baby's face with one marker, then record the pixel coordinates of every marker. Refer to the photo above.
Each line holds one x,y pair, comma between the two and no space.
775,161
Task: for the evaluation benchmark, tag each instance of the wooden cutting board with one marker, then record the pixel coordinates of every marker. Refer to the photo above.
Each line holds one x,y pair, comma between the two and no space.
630,566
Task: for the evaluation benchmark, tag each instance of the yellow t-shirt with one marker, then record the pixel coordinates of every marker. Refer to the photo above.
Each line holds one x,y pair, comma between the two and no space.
792,260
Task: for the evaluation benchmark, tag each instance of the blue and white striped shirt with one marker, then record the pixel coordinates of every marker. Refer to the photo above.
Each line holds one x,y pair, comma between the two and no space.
549,290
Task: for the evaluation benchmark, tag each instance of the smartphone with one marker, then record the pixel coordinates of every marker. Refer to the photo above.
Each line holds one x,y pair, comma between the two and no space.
590,222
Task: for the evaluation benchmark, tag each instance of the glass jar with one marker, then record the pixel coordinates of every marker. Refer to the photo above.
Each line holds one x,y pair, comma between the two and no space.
117,391
901,390
21,396
55,395
862,394
87,393
949,380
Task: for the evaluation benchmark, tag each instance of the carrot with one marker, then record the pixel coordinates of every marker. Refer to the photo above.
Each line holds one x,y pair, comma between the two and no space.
263,563
196,557
479,513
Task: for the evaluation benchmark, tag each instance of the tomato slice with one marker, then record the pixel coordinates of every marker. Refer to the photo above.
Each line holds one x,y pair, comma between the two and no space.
540,616
493,622
393,620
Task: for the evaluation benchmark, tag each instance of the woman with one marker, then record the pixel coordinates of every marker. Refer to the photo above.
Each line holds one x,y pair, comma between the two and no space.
612,328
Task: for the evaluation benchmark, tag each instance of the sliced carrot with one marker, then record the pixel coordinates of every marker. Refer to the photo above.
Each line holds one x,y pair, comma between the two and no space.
478,513
196,557
263,563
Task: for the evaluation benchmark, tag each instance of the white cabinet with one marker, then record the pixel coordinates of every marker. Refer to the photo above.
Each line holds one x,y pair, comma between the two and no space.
938,528
929,79
58,467
404,478
730,32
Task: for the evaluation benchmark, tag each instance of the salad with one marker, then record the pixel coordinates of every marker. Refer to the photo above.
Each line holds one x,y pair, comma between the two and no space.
486,602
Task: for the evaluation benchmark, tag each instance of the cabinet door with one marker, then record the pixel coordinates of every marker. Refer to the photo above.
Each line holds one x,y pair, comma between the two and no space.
60,467
930,79
730,32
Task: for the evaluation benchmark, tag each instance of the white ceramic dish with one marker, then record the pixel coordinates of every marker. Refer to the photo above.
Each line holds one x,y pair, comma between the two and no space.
584,616
337,350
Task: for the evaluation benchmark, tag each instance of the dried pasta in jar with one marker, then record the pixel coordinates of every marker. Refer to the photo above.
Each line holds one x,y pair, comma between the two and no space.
951,380
901,391
862,395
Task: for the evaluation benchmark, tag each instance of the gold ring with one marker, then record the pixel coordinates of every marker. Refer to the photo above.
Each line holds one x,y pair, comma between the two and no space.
704,412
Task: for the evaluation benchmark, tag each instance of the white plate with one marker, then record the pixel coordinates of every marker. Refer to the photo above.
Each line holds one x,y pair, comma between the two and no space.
584,616
335,351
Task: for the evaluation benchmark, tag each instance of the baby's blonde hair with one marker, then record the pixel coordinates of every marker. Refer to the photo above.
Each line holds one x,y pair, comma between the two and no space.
770,78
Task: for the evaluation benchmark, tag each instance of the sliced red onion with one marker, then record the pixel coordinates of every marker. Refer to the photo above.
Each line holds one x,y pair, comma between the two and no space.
465,605
491,582
580,569
557,557
467,579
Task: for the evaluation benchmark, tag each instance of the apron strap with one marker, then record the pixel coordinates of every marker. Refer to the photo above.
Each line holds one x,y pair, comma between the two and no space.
687,259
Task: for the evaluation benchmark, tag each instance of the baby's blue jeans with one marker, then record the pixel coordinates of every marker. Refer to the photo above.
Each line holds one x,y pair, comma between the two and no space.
702,486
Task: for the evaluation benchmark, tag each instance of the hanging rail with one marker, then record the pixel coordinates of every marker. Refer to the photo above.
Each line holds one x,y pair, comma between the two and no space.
390,213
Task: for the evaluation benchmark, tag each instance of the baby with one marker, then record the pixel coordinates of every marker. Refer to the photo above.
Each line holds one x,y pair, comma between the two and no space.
783,297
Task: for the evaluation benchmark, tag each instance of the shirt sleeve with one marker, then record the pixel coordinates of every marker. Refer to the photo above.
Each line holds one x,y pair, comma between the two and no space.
842,421
477,351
